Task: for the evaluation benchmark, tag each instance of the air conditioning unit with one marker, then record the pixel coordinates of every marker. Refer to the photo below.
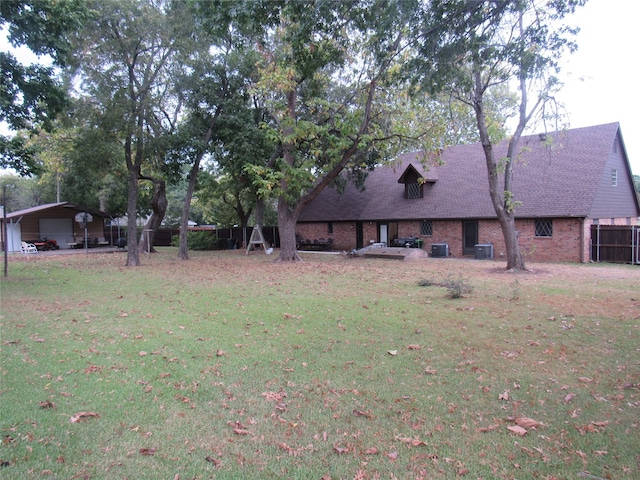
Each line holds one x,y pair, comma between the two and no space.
439,249
484,251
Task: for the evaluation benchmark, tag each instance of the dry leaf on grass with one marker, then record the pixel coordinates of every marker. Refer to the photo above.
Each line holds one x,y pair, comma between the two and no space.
517,430
340,450
392,352
490,428
46,404
83,416
147,451
525,422
361,413
210,459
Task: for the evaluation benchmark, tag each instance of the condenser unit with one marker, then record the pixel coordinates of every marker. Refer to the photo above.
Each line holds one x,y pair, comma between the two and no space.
439,249
484,251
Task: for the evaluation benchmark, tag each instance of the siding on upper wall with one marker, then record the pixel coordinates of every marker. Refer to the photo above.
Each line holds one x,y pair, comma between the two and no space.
610,201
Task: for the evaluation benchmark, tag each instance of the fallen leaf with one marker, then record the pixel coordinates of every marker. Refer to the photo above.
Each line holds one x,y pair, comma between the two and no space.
147,451
210,459
525,422
490,428
392,352
517,430
392,456
241,431
220,353
46,404
340,450
585,379
360,413
82,416
371,451
413,347
462,472
568,397
504,395
430,371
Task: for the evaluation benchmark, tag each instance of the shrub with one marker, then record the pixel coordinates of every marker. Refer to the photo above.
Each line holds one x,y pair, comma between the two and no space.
456,287
199,241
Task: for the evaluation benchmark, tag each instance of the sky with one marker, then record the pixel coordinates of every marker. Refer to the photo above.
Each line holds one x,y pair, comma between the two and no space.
600,82
600,79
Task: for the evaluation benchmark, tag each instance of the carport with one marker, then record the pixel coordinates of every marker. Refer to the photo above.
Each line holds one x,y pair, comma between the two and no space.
53,221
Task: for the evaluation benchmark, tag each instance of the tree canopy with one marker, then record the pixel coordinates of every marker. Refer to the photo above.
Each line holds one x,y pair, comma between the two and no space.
276,98
31,96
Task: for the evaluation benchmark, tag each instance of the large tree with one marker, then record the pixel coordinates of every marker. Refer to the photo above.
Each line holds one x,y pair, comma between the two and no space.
128,57
324,69
469,48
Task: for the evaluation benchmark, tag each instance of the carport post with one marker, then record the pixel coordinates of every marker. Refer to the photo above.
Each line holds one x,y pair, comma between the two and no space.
5,244
86,242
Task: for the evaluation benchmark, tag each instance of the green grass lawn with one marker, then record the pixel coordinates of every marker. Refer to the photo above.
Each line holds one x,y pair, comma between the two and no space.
232,366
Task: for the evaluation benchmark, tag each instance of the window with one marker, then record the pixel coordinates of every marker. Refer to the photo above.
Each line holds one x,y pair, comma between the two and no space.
413,190
330,227
426,227
544,227
614,177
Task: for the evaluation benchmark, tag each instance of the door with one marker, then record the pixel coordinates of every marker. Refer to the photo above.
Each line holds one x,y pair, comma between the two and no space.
387,232
383,233
359,236
469,237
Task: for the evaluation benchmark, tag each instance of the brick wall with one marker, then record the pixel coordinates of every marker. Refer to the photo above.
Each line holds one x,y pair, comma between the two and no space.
570,241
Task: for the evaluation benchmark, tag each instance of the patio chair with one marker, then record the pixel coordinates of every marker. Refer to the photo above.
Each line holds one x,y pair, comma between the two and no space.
71,242
28,248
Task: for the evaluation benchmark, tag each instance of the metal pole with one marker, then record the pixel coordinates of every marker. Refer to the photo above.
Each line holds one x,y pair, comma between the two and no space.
5,244
86,241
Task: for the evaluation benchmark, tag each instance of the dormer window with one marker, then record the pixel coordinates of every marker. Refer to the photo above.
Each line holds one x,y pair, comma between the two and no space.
414,183
413,190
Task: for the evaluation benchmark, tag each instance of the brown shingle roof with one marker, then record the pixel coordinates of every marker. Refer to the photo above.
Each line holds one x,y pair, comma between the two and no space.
555,181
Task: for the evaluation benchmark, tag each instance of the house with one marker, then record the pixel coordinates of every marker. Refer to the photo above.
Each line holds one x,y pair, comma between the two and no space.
55,221
565,182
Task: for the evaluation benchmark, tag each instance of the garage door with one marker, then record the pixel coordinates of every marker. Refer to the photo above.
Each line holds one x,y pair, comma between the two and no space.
58,229
14,237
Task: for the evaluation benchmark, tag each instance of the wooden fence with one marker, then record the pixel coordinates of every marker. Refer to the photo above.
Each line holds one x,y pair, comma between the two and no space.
228,238
615,244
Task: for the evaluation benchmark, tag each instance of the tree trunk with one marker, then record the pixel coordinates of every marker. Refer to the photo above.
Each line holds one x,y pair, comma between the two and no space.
501,197
133,259
183,247
287,220
159,205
